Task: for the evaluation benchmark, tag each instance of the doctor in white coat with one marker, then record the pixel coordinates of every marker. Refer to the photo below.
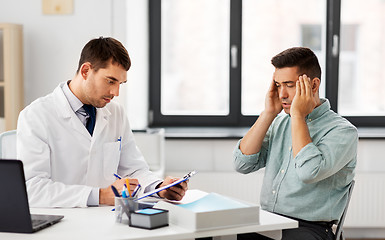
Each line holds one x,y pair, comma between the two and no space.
65,164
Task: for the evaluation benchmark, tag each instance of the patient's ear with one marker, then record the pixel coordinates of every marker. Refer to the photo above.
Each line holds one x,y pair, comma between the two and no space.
315,84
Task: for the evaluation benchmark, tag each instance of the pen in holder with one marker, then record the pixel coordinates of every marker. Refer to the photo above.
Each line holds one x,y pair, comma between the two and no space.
123,209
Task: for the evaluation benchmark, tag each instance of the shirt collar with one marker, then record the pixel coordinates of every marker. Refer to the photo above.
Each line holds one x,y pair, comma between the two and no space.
74,102
320,110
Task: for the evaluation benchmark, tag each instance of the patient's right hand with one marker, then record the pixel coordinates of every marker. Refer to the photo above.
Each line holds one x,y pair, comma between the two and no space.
272,102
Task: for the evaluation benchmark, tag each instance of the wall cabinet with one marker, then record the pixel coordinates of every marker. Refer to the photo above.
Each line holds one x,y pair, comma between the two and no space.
11,75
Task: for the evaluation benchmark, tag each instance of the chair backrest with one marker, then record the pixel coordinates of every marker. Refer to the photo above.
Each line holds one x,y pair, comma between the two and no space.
8,145
339,231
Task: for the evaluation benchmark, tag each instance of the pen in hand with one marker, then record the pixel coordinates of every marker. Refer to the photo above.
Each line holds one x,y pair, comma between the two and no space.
116,192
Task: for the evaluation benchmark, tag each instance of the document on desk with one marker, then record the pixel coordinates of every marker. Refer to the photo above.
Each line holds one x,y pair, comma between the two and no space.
210,212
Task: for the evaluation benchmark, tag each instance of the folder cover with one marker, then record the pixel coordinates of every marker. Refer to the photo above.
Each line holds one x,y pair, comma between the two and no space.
210,212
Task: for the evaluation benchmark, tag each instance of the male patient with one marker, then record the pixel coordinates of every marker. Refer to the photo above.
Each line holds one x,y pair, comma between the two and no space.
309,153
73,140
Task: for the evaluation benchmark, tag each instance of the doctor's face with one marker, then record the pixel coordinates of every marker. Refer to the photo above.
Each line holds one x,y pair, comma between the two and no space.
103,85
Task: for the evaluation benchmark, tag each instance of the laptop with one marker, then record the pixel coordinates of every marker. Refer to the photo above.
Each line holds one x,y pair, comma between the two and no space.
14,208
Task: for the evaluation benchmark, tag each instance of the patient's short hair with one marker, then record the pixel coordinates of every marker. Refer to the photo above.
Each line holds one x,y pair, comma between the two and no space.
301,57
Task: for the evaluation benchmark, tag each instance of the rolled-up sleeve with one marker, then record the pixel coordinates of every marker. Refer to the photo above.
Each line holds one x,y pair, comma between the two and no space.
320,160
246,163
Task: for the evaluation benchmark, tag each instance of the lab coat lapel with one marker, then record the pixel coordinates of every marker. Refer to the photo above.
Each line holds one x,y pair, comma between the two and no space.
65,111
102,115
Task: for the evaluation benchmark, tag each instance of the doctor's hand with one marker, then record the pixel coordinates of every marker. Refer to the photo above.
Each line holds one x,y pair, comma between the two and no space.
107,196
175,192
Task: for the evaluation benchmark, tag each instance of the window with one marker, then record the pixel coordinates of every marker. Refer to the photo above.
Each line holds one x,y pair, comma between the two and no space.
194,47
210,59
347,101
189,63
269,27
362,60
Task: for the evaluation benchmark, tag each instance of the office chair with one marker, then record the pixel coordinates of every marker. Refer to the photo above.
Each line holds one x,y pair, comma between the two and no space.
339,231
8,145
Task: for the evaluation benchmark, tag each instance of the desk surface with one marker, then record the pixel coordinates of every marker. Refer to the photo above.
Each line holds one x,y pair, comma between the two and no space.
99,223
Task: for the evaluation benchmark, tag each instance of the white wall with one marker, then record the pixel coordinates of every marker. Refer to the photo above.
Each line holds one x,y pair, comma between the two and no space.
52,43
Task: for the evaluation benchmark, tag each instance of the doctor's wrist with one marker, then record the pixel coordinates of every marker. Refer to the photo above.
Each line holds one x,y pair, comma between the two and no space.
106,196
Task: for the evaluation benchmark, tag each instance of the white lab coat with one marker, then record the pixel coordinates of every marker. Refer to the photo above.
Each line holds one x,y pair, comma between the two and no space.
62,162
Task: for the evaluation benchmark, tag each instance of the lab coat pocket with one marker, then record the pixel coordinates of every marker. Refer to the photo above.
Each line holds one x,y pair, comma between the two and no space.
111,157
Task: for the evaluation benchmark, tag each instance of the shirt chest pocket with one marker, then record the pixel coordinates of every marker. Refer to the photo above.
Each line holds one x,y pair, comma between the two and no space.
111,157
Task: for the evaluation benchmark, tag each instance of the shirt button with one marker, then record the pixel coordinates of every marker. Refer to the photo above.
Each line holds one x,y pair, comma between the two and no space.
282,171
273,191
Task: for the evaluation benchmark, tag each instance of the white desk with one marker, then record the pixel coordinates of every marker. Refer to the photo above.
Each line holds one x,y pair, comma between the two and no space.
99,223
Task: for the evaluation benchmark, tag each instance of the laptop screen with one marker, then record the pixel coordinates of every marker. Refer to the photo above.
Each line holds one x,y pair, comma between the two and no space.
14,208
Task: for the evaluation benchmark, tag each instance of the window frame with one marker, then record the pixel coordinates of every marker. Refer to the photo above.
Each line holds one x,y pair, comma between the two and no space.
235,117
156,118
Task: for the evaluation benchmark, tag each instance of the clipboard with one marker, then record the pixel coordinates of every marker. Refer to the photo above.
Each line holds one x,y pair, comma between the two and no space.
185,178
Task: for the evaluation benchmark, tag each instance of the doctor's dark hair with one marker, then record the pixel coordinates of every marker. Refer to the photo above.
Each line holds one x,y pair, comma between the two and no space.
100,51
300,57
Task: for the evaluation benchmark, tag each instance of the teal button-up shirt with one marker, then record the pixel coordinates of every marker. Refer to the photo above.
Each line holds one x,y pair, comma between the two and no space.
314,185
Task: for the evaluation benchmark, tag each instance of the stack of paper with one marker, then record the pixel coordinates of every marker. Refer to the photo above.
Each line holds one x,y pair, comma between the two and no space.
211,211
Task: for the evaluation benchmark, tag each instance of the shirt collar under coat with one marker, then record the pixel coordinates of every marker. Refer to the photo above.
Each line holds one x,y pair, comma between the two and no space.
67,110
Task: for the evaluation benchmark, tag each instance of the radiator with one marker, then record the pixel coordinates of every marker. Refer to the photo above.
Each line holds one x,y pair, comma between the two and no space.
367,206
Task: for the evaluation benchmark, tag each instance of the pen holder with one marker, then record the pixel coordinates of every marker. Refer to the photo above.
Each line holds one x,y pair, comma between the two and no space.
123,209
